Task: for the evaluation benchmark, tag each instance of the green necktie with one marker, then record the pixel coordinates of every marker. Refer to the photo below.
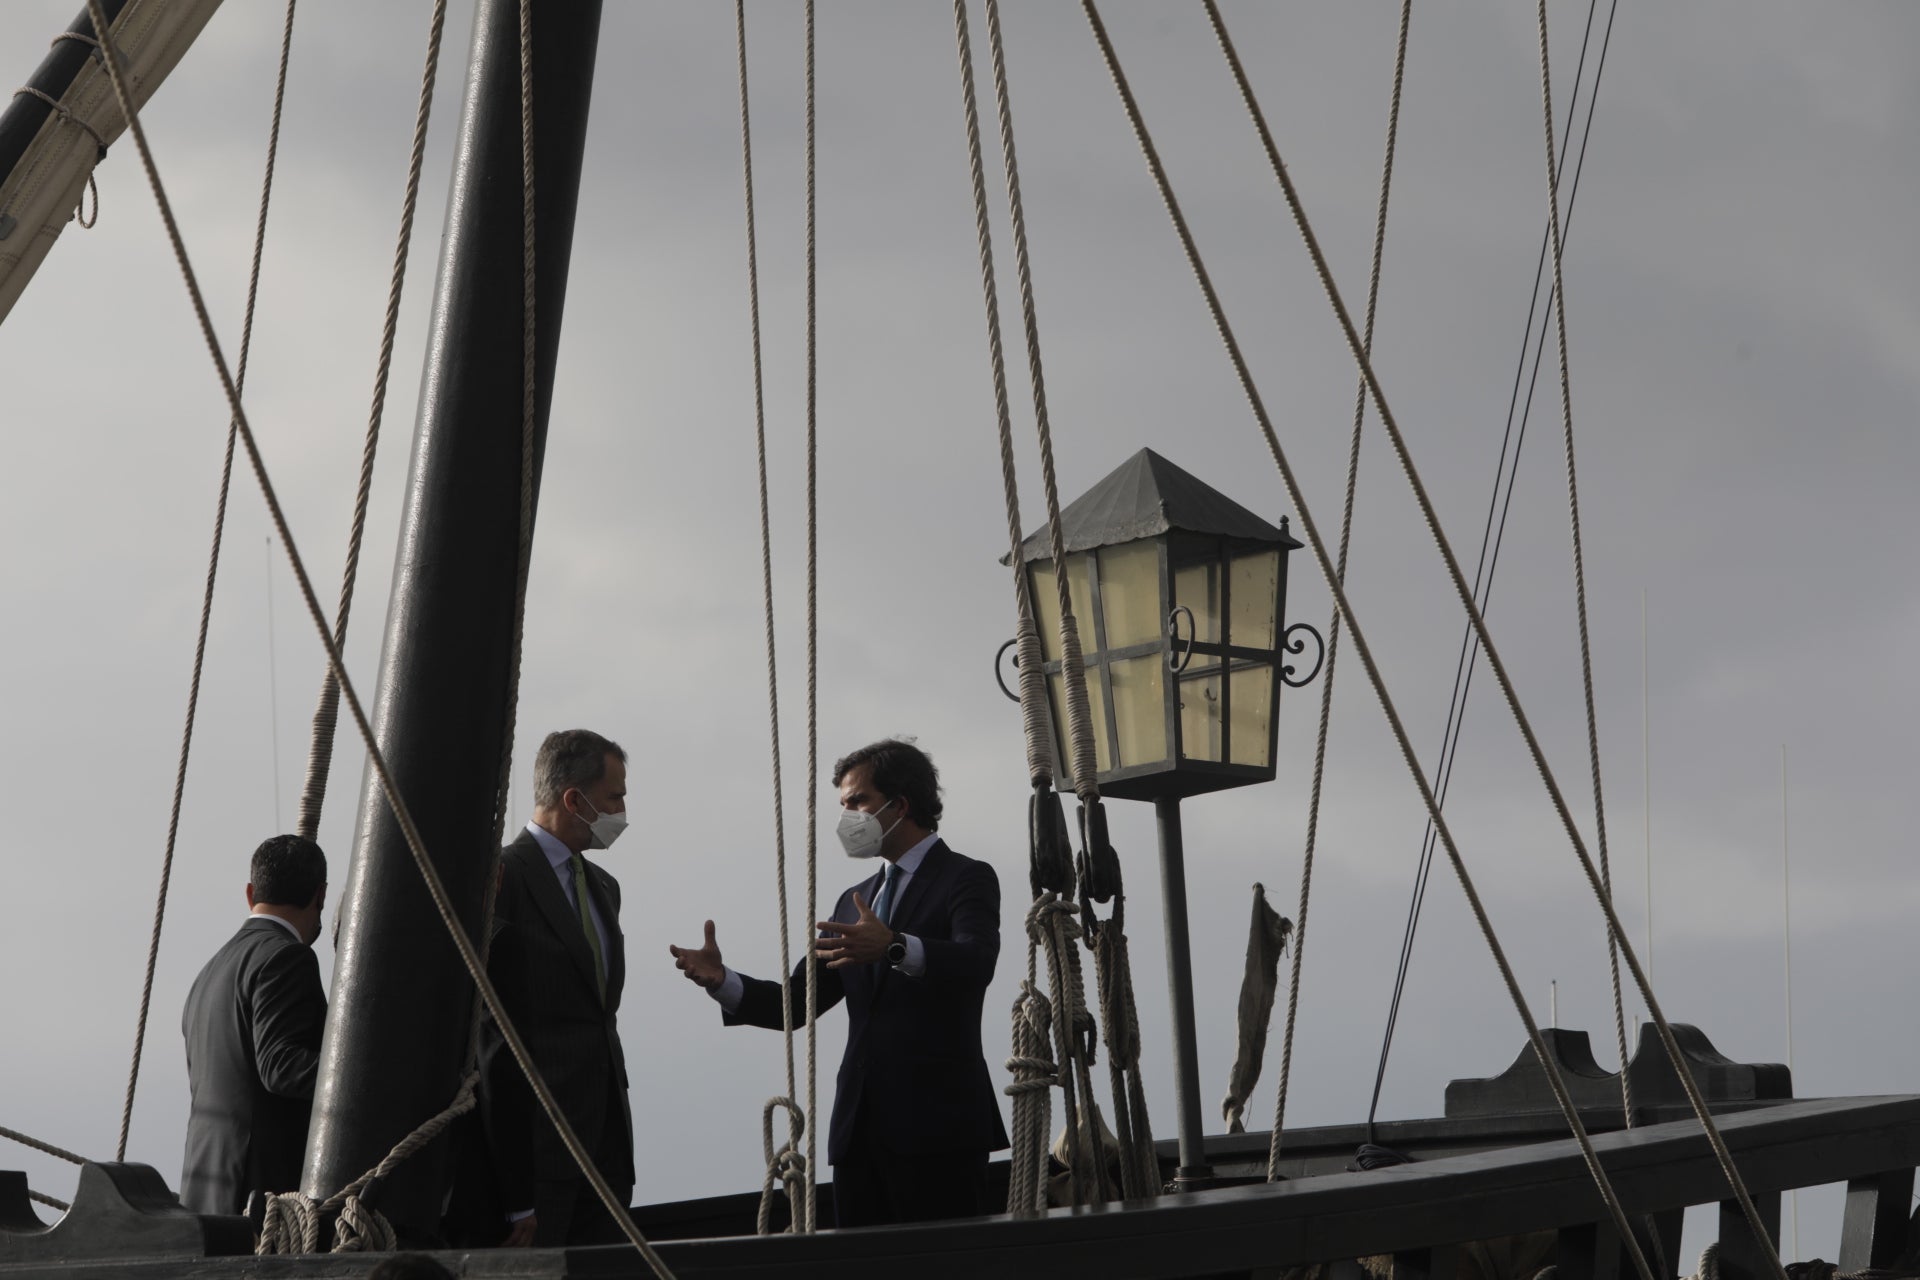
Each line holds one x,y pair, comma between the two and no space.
586,924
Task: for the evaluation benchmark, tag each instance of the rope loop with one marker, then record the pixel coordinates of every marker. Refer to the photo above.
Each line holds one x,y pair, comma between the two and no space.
786,1165
291,1225
361,1228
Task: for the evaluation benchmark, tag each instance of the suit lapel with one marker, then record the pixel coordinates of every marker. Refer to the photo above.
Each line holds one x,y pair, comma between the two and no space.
932,868
544,886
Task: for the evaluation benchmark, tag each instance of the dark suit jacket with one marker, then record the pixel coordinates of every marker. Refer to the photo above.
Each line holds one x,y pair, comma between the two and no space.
493,1143
913,1062
573,1037
252,1026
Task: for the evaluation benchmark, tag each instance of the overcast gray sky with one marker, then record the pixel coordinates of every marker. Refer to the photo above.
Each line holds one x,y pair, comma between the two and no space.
1744,309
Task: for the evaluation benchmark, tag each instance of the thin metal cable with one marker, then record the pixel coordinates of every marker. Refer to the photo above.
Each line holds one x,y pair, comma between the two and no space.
1333,626
326,715
796,1119
813,651
1432,520
1491,542
206,597
1559,307
376,759
1361,648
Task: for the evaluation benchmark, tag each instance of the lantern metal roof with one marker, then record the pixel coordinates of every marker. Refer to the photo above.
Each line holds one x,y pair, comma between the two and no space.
1146,496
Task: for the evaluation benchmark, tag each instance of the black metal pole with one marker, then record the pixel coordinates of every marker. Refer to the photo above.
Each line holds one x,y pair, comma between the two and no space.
1194,1172
397,1028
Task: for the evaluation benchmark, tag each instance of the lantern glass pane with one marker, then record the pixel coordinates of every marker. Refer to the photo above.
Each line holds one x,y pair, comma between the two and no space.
1045,595
1197,586
1096,718
1140,710
1200,709
1256,601
1130,592
1252,735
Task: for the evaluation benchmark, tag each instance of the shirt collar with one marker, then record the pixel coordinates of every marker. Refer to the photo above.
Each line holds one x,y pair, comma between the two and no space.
558,855
284,924
910,861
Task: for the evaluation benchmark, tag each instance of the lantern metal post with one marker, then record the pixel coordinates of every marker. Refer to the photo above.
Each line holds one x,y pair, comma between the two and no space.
1195,1172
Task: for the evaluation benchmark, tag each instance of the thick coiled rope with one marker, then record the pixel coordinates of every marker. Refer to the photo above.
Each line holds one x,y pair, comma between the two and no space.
1034,1073
785,1165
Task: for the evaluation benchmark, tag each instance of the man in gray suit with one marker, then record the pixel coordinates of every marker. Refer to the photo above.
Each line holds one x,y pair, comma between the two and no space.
252,1026
559,915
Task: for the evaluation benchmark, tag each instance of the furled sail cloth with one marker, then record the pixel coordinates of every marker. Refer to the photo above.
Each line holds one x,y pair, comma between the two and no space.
1266,943
43,186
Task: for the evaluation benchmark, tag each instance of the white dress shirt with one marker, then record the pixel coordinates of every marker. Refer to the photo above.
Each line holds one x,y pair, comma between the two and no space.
284,924
560,858
732,989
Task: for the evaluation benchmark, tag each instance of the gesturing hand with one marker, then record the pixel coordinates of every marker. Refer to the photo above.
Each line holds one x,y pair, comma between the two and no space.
702,964
864,941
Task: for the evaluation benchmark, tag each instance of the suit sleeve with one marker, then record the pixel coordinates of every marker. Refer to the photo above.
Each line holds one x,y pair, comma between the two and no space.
966,960
289,1012
760,998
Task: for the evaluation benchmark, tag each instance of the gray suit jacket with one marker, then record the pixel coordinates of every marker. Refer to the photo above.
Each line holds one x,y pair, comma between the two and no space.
252,1026
574,1037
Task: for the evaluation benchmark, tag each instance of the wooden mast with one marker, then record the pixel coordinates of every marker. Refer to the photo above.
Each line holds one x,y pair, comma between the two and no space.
397,1028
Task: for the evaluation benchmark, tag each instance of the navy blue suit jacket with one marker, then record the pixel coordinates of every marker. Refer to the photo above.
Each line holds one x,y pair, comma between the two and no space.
913,1063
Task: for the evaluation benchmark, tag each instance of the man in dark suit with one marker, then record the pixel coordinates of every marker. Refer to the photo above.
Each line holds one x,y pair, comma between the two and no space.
559,921
911,950
252,1026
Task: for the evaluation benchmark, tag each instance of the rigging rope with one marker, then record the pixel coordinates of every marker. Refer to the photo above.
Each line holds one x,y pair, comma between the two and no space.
1559,306
813,649
1521,720
326,714
786,1165
1029,1150
1333,626
65,113
403,816
206,598
58,1152
1107,940
1491,541
1361,648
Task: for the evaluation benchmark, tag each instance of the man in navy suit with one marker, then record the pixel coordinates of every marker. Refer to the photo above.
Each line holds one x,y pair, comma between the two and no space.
252,1025
911,950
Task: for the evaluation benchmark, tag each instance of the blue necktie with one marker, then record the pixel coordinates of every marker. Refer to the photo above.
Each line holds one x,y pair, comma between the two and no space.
889,892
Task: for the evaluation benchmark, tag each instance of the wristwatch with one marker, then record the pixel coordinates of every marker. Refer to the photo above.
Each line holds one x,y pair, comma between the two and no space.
897,949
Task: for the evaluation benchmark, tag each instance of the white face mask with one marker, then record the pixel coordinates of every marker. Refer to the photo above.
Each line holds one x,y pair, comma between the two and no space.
861,834
606,827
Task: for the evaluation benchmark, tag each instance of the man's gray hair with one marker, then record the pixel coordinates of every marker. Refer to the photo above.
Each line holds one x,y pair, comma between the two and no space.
570,758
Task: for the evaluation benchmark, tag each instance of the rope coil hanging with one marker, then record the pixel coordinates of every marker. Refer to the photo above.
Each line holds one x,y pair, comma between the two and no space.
403,816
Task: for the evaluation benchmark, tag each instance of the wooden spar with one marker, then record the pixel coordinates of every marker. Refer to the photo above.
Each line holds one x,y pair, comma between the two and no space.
397,1027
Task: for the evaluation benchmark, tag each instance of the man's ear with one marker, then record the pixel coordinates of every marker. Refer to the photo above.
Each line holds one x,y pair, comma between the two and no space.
319,897
249,895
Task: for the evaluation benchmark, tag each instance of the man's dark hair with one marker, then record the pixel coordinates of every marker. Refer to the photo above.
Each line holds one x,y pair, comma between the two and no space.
409,1266
898,770
570,758
287,871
